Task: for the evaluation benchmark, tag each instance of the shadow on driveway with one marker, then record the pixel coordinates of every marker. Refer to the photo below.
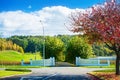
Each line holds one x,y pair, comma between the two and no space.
64,64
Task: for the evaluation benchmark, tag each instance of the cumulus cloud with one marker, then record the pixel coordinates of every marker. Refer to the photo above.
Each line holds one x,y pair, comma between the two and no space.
22,23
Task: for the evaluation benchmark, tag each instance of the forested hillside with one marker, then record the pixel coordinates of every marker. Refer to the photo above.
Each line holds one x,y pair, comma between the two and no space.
62,47
9,45
28,43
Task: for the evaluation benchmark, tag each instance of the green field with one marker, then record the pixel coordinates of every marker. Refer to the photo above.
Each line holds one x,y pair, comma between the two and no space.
9,57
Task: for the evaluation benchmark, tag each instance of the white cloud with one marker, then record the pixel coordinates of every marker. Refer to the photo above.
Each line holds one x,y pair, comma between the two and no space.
19,22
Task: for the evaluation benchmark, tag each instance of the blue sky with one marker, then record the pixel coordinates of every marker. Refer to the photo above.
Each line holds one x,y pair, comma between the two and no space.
33,5
22,17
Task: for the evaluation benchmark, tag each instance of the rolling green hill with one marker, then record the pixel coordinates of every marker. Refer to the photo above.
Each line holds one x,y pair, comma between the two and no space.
9,57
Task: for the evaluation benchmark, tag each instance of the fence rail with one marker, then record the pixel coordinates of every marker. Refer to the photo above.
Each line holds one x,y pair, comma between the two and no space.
99,61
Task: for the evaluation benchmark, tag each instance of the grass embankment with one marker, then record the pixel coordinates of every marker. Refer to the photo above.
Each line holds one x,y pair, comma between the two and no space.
11,72
13,57
19,66
108,74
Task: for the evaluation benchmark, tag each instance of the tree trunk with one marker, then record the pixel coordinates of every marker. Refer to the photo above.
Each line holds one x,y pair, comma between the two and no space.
118,64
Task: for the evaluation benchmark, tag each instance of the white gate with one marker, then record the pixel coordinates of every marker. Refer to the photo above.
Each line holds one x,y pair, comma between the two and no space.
99,61
43,62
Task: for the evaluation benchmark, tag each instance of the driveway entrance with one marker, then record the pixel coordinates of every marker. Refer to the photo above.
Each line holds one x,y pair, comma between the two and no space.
56,73
64,64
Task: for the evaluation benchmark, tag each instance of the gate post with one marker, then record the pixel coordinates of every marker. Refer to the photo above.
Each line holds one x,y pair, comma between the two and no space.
22,62
108,62
31,62
98,62
52,59
77,61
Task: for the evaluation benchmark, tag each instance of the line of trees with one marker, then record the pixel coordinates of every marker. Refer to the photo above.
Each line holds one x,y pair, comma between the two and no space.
62,47
102,50
54,47
9,45
78,47
28,43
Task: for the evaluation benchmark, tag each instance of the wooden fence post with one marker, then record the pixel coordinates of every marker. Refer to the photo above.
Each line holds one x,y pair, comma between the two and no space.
52,59
108,61
98,61
31,62
22,62
77,61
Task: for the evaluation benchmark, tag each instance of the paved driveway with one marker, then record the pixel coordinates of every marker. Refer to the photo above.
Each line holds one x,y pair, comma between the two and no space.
55,73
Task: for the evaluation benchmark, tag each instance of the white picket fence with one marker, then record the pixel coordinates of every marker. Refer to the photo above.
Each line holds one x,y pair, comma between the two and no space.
43,62
99,61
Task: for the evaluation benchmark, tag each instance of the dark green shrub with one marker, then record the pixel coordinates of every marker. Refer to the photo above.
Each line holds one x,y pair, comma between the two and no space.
16,69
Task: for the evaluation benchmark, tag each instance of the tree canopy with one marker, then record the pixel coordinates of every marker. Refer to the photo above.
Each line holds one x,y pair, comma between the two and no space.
54,47
9,45
101,23
78,47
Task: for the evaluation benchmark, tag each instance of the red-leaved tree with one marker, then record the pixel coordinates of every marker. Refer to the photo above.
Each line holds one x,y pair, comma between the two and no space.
101,23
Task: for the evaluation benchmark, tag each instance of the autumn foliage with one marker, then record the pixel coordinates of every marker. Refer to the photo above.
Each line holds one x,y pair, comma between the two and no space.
9,45
100,23
104,76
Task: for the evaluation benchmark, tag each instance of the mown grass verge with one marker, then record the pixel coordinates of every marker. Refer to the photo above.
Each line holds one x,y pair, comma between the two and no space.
16,69
108,74
19,66
111,66
12,72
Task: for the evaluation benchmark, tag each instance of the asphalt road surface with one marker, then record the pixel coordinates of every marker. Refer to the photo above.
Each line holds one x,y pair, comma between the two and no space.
55,73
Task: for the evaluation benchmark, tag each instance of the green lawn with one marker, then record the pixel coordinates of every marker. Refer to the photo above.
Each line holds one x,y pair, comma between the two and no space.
111,66
4,73
19,66
13,56
107,70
